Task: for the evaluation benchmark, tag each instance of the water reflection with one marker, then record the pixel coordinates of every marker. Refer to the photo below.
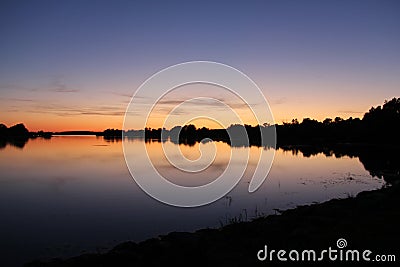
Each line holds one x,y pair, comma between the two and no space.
66,195
379,160
18,142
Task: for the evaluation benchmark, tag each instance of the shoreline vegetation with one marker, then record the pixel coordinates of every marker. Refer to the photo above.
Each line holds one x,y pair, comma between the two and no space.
380,125
368,221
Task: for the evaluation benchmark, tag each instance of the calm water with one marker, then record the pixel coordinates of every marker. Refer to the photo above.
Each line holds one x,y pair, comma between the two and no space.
69,195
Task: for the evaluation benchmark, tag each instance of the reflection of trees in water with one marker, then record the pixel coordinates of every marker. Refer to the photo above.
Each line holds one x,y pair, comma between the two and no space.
380,125
16,135
379,160
18,142
112,139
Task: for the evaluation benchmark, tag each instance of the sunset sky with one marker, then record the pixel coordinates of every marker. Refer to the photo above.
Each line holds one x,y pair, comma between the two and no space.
74,65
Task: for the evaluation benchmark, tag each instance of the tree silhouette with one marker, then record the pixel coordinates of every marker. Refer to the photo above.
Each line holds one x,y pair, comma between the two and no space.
16,135
379,125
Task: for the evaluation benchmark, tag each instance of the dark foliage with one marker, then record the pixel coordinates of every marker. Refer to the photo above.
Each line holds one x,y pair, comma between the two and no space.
16,135
379,125
17,130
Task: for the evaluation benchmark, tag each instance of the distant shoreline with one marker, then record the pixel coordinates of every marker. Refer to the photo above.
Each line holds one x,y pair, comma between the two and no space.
380,125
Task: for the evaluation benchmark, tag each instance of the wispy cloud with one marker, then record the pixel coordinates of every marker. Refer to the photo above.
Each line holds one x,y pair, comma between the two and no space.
279,101
350,111
16,99
61,110
120,94
214,102
59,86
102,113
64,90
55,85
16,87
170,102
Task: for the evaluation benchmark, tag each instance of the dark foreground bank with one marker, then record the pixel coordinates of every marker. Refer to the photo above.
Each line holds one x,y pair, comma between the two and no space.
369,221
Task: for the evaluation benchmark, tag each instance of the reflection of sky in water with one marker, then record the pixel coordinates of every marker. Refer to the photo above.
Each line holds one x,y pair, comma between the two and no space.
68,194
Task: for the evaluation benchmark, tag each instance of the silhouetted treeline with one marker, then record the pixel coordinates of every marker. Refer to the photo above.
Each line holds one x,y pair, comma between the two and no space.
234,135
19,130
18,135
379,125
111,134
13,131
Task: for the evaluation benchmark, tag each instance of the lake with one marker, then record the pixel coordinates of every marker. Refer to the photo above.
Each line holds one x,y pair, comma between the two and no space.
72,194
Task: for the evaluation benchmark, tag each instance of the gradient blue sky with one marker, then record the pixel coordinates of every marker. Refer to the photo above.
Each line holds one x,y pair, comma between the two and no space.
73,64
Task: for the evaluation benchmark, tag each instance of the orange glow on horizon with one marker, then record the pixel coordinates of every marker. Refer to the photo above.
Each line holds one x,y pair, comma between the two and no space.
283,112
97,123
54,123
